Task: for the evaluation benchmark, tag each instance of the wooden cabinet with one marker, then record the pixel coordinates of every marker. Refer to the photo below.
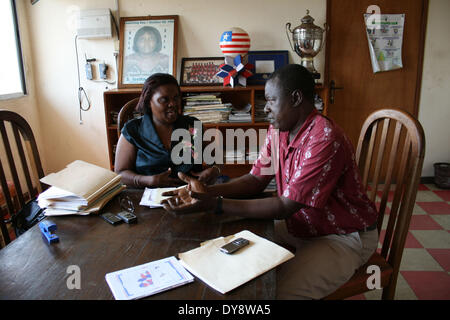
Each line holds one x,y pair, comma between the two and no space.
239,97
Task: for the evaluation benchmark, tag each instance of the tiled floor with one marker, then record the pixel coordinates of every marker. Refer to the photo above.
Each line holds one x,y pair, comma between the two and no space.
425,267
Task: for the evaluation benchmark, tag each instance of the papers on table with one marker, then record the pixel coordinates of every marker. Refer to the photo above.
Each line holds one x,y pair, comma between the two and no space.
80,188
152,197
224,272
147,279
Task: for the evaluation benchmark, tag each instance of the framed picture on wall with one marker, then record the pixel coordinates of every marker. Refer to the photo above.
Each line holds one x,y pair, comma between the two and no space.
147,46
265,63
201,71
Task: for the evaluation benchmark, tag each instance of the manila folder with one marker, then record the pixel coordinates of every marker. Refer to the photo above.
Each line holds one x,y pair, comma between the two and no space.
86,180
225,272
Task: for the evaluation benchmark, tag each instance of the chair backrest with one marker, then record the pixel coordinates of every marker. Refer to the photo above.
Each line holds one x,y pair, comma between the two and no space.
390,155
19,164
126,113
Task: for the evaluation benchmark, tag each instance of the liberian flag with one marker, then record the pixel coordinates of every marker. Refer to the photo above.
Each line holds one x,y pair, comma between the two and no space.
234,42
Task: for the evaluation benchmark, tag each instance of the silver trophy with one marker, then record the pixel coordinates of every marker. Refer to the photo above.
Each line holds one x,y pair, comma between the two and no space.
308,41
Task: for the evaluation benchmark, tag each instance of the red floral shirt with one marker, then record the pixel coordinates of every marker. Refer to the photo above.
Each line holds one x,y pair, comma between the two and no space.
318,169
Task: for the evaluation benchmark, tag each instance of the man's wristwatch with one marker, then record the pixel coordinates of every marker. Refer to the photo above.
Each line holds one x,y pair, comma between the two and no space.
219,209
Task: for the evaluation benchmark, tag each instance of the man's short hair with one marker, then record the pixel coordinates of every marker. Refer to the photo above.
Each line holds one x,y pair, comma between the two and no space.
294,76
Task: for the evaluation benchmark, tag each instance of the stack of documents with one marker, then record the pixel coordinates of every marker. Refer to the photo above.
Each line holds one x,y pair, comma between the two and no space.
225,272
147,279
81,188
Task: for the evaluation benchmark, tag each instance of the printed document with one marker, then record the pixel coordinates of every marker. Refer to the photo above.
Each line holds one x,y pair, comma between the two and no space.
147,279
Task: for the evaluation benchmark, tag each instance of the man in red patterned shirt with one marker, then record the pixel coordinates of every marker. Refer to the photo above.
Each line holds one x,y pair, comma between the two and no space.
321,208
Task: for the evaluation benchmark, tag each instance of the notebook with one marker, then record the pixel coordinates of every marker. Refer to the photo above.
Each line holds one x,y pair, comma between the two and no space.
147,279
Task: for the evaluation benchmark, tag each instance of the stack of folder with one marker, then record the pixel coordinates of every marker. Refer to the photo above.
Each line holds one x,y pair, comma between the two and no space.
80,188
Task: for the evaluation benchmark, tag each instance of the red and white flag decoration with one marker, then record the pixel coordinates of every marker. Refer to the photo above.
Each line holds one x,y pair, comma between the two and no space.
234,41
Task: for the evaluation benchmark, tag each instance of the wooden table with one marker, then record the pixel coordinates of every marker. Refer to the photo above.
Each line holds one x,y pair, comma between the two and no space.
32,269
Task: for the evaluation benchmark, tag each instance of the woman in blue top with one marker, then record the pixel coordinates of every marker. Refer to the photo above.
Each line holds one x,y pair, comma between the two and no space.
143,154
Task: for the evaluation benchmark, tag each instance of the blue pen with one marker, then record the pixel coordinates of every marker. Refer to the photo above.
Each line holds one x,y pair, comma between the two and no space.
47,228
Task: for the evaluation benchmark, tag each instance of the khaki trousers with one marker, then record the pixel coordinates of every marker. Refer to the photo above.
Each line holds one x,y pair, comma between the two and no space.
321,264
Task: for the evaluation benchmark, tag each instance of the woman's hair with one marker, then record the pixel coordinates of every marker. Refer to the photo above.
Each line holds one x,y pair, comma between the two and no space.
295,76
150,85
143,31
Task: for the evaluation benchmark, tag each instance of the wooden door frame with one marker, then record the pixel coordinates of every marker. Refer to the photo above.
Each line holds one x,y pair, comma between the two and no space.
421,53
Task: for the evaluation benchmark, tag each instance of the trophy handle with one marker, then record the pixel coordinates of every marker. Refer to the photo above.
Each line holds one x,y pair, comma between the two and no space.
326,28
288,28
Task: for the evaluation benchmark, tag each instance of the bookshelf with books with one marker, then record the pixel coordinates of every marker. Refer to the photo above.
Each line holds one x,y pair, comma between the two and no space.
229,108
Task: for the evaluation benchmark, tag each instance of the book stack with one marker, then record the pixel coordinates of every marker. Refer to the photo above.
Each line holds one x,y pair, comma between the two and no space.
272,186
252,156
260,103
208,108
232,156
243,115
81,188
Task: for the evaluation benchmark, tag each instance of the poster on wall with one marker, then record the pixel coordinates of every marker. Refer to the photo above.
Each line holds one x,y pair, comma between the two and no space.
385,37
147,46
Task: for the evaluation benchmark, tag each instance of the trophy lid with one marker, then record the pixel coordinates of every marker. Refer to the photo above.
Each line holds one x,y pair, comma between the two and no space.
307,19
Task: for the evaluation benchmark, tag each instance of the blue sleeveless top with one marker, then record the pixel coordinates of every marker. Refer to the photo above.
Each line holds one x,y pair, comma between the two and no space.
152,157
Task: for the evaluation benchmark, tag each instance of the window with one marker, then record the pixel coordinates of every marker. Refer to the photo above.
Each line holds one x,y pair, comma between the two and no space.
12,81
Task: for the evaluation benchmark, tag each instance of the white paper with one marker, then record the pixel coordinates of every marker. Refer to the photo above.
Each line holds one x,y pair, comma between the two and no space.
264,66
147,279
152,197
385,36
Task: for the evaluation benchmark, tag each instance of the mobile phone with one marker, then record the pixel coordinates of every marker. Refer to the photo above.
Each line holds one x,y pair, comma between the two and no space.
111,218
128,217
234,245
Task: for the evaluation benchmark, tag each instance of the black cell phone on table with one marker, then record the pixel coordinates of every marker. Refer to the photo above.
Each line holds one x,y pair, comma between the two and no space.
111,218
234,245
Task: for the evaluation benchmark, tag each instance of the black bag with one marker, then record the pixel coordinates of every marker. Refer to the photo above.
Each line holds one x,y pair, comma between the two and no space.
27,217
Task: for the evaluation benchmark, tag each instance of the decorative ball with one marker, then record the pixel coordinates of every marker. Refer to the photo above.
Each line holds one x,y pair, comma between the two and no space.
234,41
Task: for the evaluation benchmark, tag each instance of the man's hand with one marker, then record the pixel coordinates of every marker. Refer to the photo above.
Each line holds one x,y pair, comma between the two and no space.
193,198
208,176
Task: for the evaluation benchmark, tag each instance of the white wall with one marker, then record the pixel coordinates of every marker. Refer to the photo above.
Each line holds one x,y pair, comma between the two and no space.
51,37
434,110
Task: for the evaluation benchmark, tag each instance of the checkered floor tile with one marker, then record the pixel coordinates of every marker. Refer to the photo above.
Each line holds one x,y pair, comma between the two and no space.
425,267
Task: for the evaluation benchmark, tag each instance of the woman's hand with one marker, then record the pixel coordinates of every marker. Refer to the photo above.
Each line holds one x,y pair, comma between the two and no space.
193,198
164,180
208,176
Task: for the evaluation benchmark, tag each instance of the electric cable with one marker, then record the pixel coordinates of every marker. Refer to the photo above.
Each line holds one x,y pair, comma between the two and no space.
81,90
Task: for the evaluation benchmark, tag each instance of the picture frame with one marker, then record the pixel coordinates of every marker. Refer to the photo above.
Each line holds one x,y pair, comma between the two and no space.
148,45
201,71
265,62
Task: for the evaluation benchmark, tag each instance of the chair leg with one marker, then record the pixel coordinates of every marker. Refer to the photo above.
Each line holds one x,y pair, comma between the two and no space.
4,232
389,290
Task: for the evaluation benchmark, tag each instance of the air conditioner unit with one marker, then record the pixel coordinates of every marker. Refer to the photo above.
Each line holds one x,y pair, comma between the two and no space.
94,24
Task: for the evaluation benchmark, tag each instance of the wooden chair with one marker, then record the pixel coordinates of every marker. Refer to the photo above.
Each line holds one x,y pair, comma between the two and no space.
126,113
390,156
20,168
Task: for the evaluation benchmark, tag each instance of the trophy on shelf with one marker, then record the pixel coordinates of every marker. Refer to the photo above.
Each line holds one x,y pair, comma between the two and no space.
308,41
